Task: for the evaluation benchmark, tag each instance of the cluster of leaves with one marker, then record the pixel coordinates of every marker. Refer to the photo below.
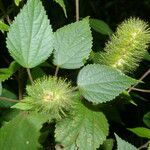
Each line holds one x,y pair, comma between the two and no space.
31,42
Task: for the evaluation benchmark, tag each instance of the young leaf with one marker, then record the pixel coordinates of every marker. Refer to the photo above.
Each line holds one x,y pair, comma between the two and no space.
8,94
22,106
146,119
6,73
17,2
62,4
3,26
22,132
123,145
100,83
100,26
141,132
86,129
30,37
107,145
73,45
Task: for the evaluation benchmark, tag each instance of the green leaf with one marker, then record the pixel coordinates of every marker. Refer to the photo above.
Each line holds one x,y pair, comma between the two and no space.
86,129
100,26
8,94
8,115
100,83
0,88
30,37
73,45
6,73
147,56
62,4
22,132
17,2
3,26
107,145
123,145
141,132
146,119
22,106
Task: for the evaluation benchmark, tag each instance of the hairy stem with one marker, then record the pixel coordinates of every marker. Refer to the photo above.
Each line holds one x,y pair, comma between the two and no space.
77,10
30,76
8,99
141,78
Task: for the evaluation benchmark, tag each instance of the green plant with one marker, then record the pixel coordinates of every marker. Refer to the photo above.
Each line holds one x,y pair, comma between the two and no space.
76,108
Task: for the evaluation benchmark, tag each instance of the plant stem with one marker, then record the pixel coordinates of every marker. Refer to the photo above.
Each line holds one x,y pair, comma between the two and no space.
8,20
141,78
77,10
144,146
56,71
141,90
20,90
30,76
8,99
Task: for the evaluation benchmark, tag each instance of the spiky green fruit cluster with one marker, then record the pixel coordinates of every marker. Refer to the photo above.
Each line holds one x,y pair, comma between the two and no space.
50,96
127,46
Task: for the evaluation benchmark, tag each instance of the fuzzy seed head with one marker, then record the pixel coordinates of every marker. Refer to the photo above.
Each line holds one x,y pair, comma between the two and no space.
127,46
50,95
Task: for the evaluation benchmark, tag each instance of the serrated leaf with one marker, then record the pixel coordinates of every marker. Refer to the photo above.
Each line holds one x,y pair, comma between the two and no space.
73,45
86,129
17,2
62,4
100,26
141,132
6,73
22,132
100,83
8,94
30,37
146,119
123,145
3,26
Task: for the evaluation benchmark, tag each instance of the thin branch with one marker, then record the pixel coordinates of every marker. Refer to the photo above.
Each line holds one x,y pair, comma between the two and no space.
77,10
8,99
8,20
144,146
20,90
30,76
141,78
56,71
141,90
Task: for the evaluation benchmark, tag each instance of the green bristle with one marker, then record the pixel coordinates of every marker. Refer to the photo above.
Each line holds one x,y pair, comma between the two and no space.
127,46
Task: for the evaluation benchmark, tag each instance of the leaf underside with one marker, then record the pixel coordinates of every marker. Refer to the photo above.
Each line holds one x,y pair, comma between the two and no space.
123,145
30,37
87,129
73,45
99,83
